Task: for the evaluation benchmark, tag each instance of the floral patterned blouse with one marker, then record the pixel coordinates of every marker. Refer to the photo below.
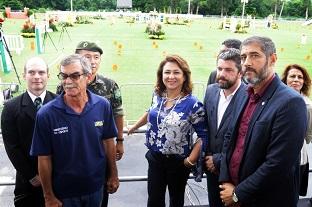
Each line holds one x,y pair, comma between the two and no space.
171,130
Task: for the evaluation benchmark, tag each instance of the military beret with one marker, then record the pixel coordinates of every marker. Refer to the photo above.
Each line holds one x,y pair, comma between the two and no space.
90,46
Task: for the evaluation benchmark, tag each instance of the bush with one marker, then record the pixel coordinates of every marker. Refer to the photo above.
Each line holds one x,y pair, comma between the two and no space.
154,31
221,25
4,14
99,17
42,10
65,24
28,35
52,25
274,25
158,37
130,20
240,29
28,27
177,21
30,12
83,20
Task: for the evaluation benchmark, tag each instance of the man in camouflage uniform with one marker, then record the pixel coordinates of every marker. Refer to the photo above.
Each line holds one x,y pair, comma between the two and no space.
105,87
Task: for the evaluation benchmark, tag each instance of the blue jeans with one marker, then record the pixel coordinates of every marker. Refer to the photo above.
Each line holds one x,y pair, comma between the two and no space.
90,200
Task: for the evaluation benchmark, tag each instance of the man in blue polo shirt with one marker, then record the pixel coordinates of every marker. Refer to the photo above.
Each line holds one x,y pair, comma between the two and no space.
73,139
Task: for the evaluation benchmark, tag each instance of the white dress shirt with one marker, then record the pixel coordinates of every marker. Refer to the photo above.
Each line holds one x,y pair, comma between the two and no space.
224,102
33,97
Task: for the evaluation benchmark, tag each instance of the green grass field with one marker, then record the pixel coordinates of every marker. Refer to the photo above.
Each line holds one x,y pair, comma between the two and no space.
138,60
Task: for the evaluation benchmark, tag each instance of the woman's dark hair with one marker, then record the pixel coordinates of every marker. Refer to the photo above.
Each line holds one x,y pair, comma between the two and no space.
306,78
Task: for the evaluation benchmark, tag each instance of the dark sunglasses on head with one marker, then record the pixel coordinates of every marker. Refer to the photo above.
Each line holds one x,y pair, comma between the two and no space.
73,76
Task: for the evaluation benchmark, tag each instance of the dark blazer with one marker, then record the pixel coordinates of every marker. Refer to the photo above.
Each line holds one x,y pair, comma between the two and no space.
17,125
216,135
268,173
212,77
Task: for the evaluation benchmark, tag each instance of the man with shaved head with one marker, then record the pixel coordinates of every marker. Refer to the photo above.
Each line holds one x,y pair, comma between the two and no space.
17,125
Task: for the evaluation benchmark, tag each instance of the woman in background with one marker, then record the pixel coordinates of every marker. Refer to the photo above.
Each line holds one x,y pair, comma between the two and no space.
297,77
171,120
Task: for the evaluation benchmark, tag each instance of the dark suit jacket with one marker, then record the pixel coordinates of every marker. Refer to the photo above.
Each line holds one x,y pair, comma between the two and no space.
216,135
17,125
268,173
212,77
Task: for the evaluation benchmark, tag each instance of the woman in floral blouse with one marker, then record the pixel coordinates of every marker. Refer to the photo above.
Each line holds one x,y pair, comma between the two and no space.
172,119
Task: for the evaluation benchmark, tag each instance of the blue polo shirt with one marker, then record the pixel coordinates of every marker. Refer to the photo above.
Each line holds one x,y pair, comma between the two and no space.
75,143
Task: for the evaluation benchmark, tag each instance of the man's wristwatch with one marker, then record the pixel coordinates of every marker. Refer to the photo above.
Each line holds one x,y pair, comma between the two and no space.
120,139
234,197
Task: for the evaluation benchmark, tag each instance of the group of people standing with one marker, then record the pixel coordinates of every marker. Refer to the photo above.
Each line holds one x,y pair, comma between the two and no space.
63,147
249,134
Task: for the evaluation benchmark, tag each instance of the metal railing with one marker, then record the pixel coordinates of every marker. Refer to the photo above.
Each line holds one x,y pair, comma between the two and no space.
121,178
137,97
192,187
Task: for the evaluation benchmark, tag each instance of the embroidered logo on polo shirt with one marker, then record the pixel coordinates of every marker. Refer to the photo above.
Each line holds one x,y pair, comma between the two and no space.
60,130
98,123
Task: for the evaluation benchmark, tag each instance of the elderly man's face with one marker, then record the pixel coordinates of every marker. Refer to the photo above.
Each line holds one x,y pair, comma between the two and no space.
74,87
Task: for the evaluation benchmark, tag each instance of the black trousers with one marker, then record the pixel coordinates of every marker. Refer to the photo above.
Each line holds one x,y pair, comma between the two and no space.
213,190
34,198
105,193
105,198
303,179
166,171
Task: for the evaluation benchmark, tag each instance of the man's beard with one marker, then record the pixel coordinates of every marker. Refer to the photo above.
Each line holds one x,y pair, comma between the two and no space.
225,85
261,76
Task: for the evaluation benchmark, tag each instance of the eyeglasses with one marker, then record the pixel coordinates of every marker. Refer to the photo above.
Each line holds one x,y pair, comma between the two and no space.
73,76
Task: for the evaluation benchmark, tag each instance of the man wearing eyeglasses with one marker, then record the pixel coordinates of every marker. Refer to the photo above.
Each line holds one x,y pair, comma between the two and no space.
74,137
17,125
105,87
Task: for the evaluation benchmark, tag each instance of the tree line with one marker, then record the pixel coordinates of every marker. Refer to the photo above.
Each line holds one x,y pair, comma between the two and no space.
256,8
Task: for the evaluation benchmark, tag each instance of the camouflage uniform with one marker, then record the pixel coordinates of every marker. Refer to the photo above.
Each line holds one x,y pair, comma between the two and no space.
107,88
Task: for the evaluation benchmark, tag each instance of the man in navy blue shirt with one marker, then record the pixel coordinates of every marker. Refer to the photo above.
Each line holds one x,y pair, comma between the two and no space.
73,140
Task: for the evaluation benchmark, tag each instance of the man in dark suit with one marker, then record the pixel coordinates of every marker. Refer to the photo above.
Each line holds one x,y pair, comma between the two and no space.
228,43
218,102
260,166
17,125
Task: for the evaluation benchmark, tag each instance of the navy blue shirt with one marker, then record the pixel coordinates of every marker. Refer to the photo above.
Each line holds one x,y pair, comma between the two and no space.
75,143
